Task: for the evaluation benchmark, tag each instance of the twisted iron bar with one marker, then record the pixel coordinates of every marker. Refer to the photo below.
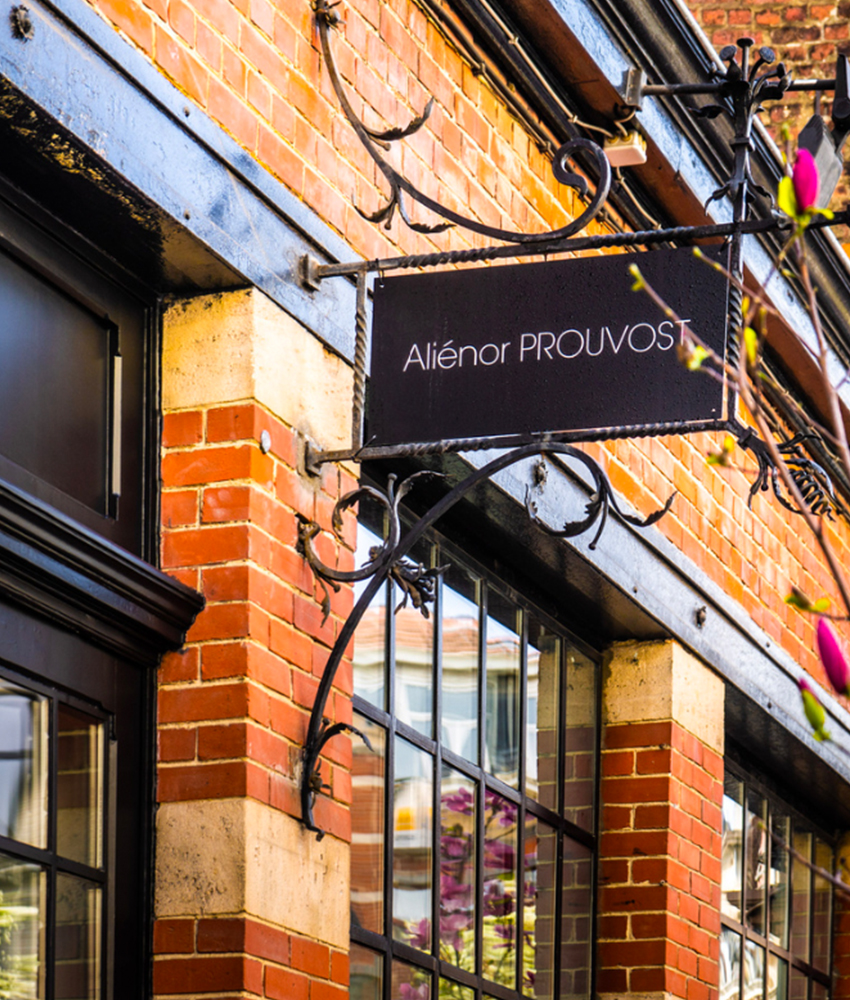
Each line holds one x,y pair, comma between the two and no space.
811,478
327,19
386,561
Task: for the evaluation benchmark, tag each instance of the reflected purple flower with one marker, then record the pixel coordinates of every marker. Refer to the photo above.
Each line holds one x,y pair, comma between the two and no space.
498,902
499,856
408,992
420,937
461,801
453,848
502,809
451,926
454,895
506,933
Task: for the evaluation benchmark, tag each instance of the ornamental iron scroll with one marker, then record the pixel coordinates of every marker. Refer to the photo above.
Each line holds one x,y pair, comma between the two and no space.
374,141
389,561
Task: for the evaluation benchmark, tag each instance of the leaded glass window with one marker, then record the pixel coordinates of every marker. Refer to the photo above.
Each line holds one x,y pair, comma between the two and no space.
473,816
776,908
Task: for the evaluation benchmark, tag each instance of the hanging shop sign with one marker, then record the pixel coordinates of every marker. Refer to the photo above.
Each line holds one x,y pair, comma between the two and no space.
540,348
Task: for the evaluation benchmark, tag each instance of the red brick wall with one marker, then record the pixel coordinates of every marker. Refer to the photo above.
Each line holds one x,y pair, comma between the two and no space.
659,928
234,704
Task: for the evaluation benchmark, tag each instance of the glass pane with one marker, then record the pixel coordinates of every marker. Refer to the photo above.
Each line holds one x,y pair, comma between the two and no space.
23,765
577,897
732,870
541,739
538,925
21,930
457,869
580,750
79,791
500,889
778,885
777,978
366,975
369,659
730,965
410,983
819,991
454,991
412,845
798,985
368,776
461,629
414,655
503,688
822,907
753,985
800,896
755,873
77,938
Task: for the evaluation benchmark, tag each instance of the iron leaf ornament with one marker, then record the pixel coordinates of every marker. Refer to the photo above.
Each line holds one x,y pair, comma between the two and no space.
401,188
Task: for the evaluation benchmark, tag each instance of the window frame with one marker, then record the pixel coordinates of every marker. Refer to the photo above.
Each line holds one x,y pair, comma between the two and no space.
746,933
384,944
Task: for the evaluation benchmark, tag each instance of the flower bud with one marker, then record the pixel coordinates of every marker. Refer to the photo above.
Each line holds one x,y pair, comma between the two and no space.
806,181
832,657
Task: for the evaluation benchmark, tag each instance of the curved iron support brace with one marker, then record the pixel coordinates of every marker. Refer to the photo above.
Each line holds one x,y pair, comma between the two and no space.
811,478
381,566
326,18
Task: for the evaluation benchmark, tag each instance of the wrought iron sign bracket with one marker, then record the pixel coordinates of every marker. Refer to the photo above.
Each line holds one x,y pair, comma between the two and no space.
740,90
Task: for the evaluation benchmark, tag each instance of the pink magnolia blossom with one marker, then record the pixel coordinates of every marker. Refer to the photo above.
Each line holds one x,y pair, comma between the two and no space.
805,179
832,657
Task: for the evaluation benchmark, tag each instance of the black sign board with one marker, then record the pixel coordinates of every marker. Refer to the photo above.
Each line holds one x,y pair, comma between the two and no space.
531,348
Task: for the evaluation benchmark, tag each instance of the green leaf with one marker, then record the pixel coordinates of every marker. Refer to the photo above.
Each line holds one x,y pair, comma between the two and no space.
751,343
639,284
820,607
785,197
797,599
825,212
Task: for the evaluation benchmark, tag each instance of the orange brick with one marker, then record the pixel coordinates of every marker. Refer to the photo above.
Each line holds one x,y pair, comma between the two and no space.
310,957
173,936
180,507
176,744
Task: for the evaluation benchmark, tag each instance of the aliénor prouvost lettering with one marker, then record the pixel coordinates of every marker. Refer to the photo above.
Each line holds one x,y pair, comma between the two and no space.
546,345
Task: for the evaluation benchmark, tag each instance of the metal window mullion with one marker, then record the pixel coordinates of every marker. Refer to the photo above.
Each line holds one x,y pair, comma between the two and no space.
521,774
482,781
561,806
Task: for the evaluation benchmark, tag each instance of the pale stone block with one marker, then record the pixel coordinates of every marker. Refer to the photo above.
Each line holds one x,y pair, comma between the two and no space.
656,681
236,856
240,345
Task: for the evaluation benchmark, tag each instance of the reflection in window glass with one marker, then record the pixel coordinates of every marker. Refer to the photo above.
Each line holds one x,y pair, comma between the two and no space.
79,790
753,983
410,983
539,899
368,770
821,907
499,885
21,929
414,657
777,978
730,965
801,893
366,978
412,845
576,895
580,737
503,689
461,628
544,668
23,765
368,661
778,884
457,869
77,966
755,871
454,991
733,847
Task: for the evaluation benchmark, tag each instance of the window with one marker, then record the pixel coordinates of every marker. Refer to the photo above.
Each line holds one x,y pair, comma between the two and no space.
473,814
776,910
76,394
52,844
